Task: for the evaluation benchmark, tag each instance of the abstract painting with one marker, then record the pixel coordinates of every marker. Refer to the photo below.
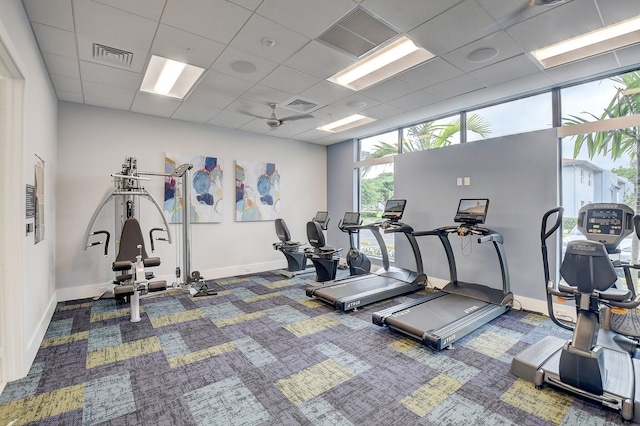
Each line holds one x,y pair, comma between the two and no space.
257,191
205,191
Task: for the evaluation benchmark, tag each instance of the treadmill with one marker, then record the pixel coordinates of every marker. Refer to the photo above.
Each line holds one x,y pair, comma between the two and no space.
440,319
352,292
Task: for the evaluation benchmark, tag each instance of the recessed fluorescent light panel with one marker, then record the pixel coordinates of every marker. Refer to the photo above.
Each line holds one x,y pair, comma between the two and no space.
346,123
170,78
392,59
594,43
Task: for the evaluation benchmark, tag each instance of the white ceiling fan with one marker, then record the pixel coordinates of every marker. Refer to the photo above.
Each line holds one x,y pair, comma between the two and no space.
274,121
515,16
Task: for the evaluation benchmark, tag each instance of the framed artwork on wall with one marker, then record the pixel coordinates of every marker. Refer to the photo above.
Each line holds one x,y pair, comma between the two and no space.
257,191
205,192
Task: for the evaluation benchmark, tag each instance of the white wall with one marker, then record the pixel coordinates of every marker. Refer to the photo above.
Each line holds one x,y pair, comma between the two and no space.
93,143
31,291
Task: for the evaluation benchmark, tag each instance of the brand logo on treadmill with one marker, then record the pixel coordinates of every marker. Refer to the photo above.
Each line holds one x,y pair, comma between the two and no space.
401,313
448,340
471,309
353,304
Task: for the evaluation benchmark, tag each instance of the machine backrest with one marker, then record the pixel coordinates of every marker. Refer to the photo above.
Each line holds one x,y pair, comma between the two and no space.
315,235
130,239
282,231
587,266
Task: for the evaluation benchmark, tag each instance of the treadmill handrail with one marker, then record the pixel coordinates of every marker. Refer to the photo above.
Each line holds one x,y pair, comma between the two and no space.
486,235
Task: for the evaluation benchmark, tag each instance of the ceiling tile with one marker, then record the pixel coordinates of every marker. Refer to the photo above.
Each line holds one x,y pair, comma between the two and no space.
224,84
454,87
429,73
551,26
110,76
162,106
264,95
247,4
151,9
230,119
251,36
382,111
288,80
506,70
308,17
188,111
388,90
413,100
54,13
405,15
437,36
583,68
55,41
325,93
186,47
97,22
209,98
356,99
319,61
510,12
61,65
231,55
217,20
619,10
500,41
107,96
66,84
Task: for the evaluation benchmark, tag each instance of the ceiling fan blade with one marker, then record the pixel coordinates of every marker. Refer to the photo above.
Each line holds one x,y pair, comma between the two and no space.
295,117
253,115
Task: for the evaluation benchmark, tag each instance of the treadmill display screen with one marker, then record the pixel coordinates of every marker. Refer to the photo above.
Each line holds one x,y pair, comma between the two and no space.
321,217
604,221
394,209
351,218
472,211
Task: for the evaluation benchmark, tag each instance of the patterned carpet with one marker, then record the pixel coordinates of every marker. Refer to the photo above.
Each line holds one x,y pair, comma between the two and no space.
262,353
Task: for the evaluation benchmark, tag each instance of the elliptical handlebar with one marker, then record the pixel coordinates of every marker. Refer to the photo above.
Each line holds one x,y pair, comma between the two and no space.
544,234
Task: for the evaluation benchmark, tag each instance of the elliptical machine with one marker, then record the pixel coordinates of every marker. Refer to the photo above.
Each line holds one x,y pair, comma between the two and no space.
358,262
600,362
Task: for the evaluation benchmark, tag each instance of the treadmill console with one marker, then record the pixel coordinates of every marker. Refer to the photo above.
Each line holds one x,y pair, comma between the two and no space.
394,209
607,223
472,211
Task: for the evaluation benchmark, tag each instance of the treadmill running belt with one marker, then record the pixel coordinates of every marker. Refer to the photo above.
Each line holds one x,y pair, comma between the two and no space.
350,288
434,314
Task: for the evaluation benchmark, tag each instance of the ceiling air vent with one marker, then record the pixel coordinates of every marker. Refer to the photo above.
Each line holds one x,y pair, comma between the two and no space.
112,55
299,105
358,32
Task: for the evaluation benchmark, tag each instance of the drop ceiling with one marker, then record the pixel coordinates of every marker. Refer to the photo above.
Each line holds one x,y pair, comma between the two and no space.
262,51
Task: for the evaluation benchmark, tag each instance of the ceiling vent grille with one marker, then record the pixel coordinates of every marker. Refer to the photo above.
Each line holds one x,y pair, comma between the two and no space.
112,55
358,32
300,105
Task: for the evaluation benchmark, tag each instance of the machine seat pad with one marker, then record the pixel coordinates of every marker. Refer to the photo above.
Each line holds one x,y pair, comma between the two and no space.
157,286
121,265
614,294
122,278
122,291
151,261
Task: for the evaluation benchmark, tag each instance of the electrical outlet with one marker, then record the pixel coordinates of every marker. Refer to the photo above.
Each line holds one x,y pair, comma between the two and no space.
467,181
459,181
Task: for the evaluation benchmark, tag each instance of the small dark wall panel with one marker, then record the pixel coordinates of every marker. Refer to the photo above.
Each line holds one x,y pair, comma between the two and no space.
519,175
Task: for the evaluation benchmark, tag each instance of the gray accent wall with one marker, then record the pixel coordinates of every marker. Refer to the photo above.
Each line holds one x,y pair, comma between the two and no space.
341,187
518,174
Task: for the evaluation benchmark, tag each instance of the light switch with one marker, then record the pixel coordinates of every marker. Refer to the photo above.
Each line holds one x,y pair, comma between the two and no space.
467,181
459,181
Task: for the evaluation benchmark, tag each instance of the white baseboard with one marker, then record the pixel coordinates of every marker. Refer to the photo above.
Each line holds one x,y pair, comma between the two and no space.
94,290
35,341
